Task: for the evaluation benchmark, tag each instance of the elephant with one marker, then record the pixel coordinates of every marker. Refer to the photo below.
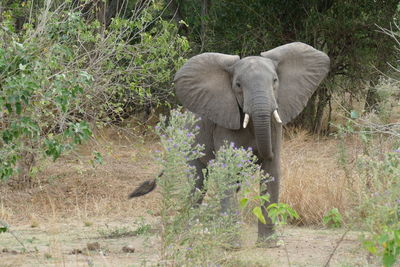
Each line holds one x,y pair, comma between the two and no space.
247,101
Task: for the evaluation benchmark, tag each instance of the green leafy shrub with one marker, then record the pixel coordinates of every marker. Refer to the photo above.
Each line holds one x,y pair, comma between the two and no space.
176,185
63,71
333,219
191,232
38,98
280,213
139,57
386,244
376,183
379,207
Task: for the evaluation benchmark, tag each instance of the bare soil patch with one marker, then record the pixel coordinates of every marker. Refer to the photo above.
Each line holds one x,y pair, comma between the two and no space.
65,244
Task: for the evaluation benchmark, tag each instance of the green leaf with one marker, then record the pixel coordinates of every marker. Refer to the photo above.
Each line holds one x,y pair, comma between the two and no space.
354,114
383,238
243,202
258,212
98,158
293,213
370,246
388,260
333,218
272,206
3,229
8,107
18,108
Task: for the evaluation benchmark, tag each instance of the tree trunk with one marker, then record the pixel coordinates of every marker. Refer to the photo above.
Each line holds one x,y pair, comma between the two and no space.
323,99
1,12
205,7
101,15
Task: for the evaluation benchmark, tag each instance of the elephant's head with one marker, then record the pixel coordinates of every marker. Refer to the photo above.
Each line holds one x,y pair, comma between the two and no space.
220,87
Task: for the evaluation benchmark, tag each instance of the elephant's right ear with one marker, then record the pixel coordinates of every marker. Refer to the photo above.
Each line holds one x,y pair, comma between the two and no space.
204,86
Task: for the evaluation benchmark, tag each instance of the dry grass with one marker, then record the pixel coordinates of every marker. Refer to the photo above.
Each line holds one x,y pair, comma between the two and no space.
73,187
313,181
320,173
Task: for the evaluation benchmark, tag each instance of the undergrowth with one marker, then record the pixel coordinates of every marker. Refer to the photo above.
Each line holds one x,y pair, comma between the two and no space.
376,185
196,232
64,73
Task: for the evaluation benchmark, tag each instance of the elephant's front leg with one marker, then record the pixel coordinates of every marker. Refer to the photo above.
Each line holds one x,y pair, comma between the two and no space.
199,181
271,187
230,213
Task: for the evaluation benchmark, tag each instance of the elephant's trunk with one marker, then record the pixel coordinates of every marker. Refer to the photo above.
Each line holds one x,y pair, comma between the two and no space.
262,127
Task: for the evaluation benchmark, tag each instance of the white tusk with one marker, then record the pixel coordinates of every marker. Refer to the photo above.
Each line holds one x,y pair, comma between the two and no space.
276,116
246,120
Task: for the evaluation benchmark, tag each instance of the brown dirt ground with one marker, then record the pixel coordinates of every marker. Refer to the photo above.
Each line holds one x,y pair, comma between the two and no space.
75,203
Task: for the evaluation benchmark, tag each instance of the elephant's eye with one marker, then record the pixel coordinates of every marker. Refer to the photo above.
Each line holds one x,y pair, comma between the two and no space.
275,80
238,84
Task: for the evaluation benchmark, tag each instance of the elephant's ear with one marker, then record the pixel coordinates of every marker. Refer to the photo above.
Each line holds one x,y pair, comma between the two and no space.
300,69
204,86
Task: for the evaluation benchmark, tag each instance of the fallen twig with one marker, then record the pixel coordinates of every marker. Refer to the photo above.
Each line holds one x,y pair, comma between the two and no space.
334,250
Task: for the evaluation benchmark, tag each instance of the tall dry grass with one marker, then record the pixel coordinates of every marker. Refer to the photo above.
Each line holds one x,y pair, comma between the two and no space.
72,188
313,178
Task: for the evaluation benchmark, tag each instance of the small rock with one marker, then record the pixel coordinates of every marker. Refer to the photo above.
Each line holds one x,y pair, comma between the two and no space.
76,251
128,249
93,246
5,250
14,252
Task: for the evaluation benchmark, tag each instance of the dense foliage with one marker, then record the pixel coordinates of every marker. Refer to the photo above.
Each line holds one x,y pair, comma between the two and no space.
377,185
62,69
348,31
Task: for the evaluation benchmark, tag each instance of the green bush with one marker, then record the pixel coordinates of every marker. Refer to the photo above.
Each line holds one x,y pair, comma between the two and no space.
333,219
380,204
139,66
191,232
376,183
64,71
39,98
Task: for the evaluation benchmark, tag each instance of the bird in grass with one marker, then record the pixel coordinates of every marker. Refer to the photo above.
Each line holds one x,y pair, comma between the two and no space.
143,189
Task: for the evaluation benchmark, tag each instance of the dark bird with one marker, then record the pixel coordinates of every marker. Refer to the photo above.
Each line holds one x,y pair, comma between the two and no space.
143,189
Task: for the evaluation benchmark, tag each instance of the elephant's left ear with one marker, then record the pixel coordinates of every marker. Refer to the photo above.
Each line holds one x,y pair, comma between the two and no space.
300,69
